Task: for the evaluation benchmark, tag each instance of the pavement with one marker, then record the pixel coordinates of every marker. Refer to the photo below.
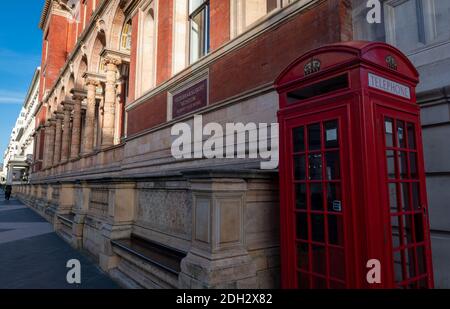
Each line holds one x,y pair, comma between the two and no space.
33,256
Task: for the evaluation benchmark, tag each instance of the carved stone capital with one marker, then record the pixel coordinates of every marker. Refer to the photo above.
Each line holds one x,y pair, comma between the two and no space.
112,60
92,82
68,105
78,95
59,114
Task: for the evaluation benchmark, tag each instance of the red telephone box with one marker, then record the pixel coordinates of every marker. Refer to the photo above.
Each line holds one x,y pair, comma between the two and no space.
352,171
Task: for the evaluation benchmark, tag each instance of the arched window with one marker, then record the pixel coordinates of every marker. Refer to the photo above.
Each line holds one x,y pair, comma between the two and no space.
199,29
146,50
125,40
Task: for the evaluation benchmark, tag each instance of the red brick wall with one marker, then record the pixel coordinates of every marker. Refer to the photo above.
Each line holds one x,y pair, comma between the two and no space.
133,58
89,9
60,37
148,114
255,64
220,23
80,24
42,77
263,59
57,49
345,16
71,36
40,116
164,53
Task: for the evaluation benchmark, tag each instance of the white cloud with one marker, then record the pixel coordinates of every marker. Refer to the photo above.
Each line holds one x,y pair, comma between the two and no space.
11,97
17,64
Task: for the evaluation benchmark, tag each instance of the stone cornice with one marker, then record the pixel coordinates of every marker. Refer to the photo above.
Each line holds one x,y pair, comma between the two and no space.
56,7
435,96
34,83
94,78
110,54
44,14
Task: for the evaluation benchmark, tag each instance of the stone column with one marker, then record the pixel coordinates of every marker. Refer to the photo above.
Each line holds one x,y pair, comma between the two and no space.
76,128
50,147
90,117
121,207
58,134
218,257
47,128
68,106
110,101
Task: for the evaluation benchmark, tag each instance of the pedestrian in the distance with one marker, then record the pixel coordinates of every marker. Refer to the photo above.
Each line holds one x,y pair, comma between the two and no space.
8,189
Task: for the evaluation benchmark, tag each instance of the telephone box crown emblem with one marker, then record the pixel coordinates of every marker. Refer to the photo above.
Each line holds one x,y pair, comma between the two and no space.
312,66
391,62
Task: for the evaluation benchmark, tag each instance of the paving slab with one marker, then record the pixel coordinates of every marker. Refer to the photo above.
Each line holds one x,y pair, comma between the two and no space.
33,256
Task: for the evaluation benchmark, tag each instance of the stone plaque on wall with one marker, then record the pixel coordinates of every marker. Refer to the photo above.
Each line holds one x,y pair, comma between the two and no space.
190,99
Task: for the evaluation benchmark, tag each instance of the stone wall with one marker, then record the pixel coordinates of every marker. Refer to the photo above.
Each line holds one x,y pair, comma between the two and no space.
226,223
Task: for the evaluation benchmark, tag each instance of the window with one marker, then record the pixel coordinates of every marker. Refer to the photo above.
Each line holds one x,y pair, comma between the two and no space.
125,41
441,10
101,65
408,24
146,72
120,126
405,24
199,29
46,47
248,12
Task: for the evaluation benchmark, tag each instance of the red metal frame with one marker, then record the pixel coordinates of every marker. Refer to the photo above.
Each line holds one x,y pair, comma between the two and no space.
409,207
327,238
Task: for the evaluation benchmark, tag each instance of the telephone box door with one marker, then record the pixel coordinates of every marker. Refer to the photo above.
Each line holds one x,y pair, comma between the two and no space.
318,210
406,208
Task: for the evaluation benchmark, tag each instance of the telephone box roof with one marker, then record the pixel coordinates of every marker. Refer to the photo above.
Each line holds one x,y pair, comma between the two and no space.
336,55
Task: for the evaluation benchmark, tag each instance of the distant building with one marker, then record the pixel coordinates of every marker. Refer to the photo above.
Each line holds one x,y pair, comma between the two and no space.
2,175
19,153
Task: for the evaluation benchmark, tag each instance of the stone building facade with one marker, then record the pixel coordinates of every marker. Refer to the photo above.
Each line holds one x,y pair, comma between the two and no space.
18,156
115,76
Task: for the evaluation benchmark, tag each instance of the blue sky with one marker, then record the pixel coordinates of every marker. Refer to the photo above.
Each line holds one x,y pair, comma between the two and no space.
20,54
